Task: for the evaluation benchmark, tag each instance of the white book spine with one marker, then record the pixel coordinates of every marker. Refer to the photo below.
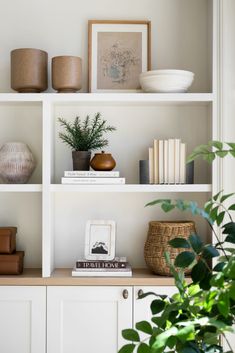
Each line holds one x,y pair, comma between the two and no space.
171,161
161,161
151,176
165,162
90,174
156,161
177,161
182,163
101,274
90,181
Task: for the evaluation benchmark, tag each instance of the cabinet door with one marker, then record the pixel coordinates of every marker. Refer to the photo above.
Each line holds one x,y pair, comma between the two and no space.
142,306
22,319
87,319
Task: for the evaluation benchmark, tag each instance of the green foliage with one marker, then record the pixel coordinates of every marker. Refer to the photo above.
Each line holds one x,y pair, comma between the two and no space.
212,150
193,319
86,135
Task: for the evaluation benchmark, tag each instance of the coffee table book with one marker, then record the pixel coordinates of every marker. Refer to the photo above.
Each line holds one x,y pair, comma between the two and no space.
99,272
118,262
98,181
90,174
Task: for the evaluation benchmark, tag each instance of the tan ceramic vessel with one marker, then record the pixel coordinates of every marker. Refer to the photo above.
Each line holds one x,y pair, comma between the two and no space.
29,70
66,74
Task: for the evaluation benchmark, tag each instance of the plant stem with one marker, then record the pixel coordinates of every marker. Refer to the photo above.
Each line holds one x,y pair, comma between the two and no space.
218,241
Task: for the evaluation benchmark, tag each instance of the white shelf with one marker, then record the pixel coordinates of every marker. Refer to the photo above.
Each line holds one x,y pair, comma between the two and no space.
20,187
140,98
131,188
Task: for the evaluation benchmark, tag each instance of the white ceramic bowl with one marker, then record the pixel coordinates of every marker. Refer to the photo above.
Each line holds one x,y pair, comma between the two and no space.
166,81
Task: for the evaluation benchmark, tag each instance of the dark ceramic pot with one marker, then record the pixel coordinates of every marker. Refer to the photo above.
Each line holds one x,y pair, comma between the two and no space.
103,162
81,160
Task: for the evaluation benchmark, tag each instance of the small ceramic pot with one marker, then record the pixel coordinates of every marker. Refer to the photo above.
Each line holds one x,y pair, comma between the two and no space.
16,163
103,162
29,70
81,160
66,74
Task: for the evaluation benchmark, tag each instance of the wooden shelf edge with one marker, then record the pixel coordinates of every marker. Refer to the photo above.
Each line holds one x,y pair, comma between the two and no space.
62,277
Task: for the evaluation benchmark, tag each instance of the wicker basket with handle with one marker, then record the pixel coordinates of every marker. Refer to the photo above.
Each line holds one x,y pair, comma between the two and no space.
159,234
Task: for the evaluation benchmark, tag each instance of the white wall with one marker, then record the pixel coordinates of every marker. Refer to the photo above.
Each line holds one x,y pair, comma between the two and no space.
179,31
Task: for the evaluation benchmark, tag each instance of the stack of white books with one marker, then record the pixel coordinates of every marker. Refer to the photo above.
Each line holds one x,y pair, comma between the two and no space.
119,267
167,162
86,177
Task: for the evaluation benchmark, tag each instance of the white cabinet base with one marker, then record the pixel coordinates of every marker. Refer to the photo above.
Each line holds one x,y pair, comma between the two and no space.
22,319
87,319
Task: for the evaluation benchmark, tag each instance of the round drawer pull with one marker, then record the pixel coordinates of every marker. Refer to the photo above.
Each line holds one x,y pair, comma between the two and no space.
140,292
125,294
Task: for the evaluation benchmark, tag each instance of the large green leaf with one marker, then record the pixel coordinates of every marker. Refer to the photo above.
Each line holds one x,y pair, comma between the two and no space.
196,243
161,339
232,290
184,259
128,348
144,326
199,271
143,348
186,334
209,252
229,228
131,335
157,306
223,304
179,243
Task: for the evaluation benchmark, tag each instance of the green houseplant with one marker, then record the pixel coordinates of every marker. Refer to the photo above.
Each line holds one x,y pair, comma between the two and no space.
83,137
194,319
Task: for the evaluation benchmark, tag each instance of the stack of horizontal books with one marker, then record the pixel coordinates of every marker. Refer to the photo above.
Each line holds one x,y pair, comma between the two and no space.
83,177
119,267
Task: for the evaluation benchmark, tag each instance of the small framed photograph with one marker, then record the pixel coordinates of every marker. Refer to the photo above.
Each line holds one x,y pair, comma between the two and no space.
118,52
100,240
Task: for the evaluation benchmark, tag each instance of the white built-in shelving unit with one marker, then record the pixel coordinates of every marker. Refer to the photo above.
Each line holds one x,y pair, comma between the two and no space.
51,216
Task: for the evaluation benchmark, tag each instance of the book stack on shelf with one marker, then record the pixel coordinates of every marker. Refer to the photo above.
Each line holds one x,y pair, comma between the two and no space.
119,267
83,177
167,162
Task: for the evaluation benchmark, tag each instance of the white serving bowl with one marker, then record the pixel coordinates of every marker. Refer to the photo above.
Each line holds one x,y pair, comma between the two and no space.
166,81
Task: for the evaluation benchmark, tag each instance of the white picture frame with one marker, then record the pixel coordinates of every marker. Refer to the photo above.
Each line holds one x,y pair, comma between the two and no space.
115,58
100,240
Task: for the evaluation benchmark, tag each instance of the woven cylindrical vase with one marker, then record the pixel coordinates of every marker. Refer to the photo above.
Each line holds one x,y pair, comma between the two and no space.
157,243
16,163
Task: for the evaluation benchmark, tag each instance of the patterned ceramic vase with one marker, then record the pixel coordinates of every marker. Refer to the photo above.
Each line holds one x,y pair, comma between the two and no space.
16,163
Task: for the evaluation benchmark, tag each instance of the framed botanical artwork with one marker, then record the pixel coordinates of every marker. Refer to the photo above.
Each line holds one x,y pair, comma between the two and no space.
118,52
100,240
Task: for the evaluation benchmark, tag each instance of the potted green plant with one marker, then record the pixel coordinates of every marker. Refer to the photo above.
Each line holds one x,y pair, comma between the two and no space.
83,137
194,319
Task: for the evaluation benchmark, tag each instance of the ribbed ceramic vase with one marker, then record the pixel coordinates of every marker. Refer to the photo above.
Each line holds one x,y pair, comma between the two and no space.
16,163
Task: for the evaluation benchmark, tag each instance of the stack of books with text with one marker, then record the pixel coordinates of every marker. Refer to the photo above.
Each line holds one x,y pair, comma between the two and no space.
119,267
86,177
167,162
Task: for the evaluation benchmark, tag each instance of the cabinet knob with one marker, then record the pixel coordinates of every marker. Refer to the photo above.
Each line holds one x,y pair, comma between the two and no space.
125,294
140,292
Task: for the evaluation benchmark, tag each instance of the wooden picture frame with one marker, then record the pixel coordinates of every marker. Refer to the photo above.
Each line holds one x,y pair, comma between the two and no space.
118,51
100,240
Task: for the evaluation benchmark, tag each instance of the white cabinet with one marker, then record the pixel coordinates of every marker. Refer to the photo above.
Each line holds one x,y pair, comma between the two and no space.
22,319
87,319
142,306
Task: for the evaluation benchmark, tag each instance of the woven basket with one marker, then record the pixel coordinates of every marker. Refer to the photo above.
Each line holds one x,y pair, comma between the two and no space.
159,234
